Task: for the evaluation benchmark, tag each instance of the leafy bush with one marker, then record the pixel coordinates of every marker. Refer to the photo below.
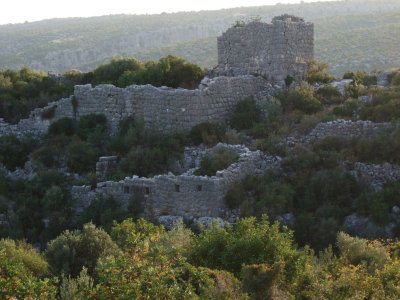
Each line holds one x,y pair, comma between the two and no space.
23,90
168,71
329,95
245,115
89,124
269,194
14,152
361,77
207,133
66,126
317,72
82,157
216,162
73,250
301,98
249,242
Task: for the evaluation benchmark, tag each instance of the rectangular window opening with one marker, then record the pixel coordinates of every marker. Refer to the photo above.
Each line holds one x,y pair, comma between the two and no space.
199,188
177,188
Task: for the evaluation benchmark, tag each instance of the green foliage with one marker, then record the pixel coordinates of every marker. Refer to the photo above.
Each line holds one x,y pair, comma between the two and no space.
301,98
168,71
81,156
130,236
317,73
249,242
20,252
361,77
207,133
23,90
329,95
219,160
14,152
19,282
269,194
112,71
103,211
144,152
90,124
81,287
65,126
245,115
73,250
356,251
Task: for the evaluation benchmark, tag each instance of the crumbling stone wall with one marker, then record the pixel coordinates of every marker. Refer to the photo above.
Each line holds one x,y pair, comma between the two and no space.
273,50
169,110
162,109
345,129
184,195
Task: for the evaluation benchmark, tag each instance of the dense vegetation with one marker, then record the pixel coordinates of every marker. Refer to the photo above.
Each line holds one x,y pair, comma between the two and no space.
252,260
22,91
115,256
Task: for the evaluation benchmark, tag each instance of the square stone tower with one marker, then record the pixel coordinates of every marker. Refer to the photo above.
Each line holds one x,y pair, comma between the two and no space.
274,50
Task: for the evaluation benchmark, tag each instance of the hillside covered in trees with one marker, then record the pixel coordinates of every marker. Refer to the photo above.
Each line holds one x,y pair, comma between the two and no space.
288,240
349,35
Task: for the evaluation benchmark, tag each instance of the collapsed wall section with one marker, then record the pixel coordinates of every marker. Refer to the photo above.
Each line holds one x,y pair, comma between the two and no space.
188,196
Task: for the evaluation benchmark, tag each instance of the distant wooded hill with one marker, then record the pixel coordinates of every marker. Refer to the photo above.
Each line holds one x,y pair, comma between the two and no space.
349,35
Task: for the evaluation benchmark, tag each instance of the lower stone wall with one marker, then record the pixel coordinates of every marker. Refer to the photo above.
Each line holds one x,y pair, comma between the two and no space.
187,196
345,129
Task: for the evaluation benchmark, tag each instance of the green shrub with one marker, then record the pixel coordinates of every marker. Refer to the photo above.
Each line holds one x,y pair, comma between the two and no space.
361,77
14,152
301,98
249,242
216,162
329,95
245,115
351,108
82,157
317,72
207,133
103,211
73,250
66,126
89,124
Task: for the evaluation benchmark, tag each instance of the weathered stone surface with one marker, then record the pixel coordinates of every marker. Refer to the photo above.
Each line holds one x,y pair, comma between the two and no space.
376,175
169,221
273,50
345,129
184,195
104,166
362,227
162,109
27,173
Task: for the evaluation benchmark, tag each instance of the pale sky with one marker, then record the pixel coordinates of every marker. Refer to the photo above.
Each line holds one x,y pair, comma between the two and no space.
18,11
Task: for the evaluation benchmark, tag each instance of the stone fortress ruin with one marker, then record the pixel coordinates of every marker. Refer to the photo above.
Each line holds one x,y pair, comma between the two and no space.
274,51
252,58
